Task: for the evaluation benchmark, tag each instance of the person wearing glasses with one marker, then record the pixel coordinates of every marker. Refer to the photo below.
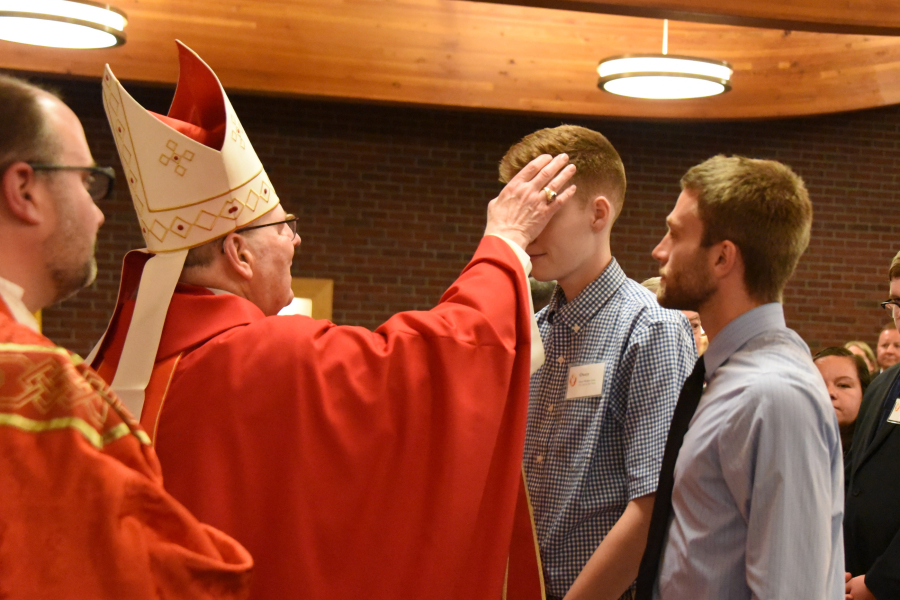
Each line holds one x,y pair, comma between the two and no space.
83,512
872,510
351,463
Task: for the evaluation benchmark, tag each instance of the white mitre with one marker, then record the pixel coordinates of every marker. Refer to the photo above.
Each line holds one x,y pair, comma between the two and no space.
194,177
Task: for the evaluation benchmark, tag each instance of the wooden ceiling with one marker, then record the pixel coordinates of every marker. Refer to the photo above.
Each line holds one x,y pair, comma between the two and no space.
507,56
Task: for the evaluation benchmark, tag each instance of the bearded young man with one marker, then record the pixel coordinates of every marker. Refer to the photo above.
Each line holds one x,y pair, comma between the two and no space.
601,404
83,513
753,495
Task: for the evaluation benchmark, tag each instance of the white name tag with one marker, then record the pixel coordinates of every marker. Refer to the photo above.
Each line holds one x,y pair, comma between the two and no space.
894,417
585,380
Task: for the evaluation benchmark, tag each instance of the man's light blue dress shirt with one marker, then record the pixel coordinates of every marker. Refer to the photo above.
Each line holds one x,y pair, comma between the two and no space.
758,498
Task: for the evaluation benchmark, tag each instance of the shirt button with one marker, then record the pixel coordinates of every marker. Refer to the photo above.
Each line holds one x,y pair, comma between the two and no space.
561,360
576,328
856,492
539,458
549,408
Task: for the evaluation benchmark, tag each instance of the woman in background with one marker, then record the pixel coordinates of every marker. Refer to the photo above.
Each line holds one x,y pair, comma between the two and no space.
846,377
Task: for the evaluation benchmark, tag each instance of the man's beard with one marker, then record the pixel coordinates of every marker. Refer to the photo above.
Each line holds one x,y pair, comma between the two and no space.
69,278
688,287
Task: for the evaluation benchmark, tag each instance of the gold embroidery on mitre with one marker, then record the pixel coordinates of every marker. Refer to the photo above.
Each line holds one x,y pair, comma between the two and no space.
231,210
175,157
236,134
115,110
175,217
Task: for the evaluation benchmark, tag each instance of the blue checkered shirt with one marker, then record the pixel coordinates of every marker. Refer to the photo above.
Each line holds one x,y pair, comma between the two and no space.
586,458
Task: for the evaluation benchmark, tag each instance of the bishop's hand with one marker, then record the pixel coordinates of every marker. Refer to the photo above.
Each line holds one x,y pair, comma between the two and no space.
525,205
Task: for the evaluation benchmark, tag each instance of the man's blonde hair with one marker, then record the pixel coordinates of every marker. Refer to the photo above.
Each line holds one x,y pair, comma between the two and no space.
761,206
600,171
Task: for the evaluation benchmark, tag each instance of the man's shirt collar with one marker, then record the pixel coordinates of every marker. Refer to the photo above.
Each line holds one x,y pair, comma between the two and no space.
584,306
739,331
12,295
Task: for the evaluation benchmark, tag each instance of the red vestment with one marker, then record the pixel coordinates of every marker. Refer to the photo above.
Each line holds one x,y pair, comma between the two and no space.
83,513
351,463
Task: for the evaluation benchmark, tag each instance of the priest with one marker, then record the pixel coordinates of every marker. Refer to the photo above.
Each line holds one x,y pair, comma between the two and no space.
83,512
351,463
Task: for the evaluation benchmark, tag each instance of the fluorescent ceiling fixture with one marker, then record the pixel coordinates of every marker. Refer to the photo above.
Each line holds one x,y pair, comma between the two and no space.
62,23
664,64
664,76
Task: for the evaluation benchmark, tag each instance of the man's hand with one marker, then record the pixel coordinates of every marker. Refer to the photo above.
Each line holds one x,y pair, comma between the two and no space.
856,588
523,208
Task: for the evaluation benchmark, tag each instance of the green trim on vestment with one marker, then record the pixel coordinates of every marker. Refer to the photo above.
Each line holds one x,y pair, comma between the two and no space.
80,425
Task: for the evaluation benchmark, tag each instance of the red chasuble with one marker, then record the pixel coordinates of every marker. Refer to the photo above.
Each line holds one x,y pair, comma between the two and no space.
83,513
351,463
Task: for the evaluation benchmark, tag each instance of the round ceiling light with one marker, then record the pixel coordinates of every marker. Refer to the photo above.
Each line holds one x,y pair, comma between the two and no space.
62,23
664,76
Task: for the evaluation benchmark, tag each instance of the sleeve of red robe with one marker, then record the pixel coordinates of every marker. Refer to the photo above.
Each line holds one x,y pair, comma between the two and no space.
83,513
360,464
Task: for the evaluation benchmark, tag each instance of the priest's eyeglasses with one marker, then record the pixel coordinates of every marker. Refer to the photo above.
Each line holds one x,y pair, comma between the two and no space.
99,183
291,222
890,305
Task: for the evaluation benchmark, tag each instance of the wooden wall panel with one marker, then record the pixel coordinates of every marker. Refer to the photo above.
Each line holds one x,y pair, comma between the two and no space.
479,56
875,17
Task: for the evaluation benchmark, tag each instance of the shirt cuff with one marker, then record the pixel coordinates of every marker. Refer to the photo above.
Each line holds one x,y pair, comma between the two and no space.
520,254
537,347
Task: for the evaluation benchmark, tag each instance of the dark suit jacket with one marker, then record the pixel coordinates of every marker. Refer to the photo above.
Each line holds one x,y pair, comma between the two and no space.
872,509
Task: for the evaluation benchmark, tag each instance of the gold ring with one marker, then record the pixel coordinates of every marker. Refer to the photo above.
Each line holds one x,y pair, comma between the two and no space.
551,195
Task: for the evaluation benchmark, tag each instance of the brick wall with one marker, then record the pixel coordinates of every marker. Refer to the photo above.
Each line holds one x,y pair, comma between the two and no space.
392,201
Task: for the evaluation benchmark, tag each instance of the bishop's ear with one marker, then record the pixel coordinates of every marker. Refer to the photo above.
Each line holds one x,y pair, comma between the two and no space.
239,255
20,196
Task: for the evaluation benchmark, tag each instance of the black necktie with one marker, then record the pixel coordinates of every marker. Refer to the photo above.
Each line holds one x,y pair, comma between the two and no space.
662,507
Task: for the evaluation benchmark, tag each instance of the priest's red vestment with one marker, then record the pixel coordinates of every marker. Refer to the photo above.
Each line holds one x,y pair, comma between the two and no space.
83,513
351,463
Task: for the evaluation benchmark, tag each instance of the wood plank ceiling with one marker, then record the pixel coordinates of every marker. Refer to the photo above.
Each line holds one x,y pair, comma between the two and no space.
508,57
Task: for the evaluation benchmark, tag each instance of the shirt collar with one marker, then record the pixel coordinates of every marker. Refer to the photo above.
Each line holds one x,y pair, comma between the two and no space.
12,295
739,331
591,299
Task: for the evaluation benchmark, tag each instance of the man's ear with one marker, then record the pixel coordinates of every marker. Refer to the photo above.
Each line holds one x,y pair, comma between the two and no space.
601,212
239,255
725,257
19,196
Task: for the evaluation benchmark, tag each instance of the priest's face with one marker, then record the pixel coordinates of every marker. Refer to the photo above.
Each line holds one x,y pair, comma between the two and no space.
273,248
69,250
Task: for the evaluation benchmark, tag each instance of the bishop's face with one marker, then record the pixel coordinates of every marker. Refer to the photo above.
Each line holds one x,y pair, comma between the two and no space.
273,248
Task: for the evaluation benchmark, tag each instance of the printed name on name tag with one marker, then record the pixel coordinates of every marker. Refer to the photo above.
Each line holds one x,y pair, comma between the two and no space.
894,417
585,380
